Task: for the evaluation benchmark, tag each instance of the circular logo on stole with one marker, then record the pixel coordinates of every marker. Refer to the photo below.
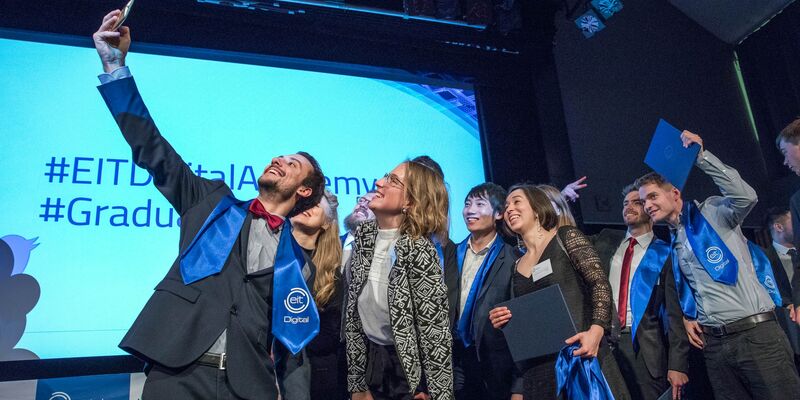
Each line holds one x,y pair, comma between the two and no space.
714,254
769,283
297,300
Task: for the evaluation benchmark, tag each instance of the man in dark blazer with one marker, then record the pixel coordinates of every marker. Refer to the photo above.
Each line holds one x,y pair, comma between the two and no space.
778,223
483,367
208,334
652,361
788,142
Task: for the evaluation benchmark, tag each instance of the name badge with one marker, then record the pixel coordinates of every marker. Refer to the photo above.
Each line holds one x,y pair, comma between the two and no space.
541,270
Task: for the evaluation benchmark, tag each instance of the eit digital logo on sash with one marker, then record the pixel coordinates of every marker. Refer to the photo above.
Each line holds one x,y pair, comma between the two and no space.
714,255
296,302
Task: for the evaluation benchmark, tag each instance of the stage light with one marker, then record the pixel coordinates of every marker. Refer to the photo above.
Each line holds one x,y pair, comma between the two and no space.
589,23
607,8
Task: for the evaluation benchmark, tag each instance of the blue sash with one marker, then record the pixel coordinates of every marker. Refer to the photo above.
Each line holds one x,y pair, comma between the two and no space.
464,327
645,279
295,320
581,378
761,265
708,247
439,250
764,272
211,247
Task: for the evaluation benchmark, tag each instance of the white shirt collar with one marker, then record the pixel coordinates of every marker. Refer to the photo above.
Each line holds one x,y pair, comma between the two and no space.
781,249
643,240
469,243
348,240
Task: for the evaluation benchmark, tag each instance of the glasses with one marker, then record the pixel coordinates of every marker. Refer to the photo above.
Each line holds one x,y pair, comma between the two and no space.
362,200
393,180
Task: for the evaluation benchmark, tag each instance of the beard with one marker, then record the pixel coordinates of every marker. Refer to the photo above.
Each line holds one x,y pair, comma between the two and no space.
351,222
273,190
640,219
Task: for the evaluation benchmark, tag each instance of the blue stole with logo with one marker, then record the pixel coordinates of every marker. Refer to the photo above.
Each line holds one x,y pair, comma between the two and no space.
464,327
764,272
708,247
295,320
761,265
645,279
581,378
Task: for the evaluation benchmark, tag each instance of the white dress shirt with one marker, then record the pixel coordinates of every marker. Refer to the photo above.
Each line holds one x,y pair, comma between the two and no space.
786,259
373,302
615,271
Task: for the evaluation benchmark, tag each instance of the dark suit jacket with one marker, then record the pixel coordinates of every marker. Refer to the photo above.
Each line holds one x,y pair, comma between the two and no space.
180,322
660,353
490,344
794,205
326,352
784,286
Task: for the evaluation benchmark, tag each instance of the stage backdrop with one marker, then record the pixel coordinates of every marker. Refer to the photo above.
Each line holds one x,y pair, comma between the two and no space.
84,236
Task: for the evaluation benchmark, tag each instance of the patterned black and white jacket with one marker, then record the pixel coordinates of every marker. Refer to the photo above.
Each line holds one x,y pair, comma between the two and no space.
418,313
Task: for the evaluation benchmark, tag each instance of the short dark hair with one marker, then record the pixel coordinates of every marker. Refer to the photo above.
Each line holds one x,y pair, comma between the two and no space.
790,134
652,178
773,215
314,181
430,163
540,203
631,187
492,192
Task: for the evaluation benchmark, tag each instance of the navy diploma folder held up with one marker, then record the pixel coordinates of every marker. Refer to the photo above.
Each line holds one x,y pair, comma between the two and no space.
540,323
668,157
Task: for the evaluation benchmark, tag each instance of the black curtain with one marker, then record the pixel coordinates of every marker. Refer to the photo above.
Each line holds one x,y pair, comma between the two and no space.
770,64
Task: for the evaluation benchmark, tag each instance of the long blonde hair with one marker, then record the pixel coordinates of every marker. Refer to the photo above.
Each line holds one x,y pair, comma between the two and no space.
327,255
565,217
429,204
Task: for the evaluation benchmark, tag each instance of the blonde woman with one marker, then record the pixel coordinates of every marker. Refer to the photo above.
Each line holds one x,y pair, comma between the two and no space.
317,232
396,319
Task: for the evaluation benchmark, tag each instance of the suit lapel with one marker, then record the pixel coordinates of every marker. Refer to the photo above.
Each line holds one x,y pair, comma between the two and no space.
244,239
492,271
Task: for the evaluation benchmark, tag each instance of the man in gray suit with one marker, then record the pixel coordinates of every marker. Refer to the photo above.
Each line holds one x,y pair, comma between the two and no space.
747,354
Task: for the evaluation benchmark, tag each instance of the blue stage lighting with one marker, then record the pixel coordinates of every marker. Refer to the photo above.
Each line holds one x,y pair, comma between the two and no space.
589,23
607,8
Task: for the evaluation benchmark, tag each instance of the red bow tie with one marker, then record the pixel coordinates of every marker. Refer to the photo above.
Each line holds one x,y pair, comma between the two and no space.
273,221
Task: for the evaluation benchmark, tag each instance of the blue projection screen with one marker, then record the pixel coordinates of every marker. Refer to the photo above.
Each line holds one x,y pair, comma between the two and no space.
84,236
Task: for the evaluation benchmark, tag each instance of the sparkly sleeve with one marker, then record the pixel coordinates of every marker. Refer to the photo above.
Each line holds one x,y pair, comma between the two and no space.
586,261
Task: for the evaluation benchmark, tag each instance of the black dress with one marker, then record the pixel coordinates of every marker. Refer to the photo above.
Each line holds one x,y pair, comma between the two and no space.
326,352
587,293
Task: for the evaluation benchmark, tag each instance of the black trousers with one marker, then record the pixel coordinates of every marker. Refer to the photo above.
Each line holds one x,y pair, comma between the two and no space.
754,364
479,380
193,382
385,377
641,384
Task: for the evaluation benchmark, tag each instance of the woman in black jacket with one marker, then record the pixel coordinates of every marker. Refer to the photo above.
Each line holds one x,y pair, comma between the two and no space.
317,232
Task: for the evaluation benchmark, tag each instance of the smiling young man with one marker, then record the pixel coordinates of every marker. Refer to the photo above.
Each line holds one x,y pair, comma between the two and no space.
482,363
236,296
747,355
637,262
788,142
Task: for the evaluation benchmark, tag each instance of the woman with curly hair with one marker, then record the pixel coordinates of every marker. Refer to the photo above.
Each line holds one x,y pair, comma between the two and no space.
396,317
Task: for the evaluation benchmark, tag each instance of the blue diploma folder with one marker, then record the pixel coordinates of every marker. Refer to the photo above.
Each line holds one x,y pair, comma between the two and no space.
668,157
540,323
